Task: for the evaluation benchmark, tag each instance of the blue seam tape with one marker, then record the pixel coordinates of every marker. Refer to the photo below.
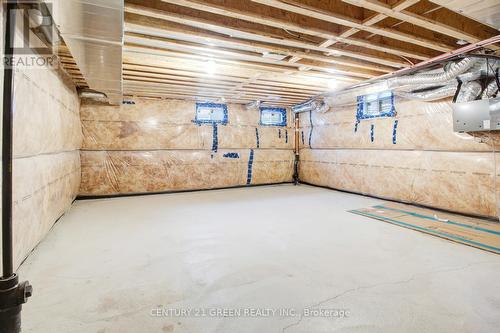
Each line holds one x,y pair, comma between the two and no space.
211,105
249,172
356,126
394,131
434,219
372,133
270,109
360,109
311,129
257,137
443,234
215,139
231,155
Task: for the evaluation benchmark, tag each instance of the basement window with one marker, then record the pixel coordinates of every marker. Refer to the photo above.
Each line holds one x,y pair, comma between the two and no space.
211,113
376,105
272,116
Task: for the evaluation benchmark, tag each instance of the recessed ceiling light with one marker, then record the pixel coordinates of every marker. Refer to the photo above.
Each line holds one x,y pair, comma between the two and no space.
462,42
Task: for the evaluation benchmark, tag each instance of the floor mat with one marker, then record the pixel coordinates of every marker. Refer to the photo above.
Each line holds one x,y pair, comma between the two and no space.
475,232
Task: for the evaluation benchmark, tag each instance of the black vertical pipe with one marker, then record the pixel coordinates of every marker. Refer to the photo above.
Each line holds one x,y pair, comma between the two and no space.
12,292
7,252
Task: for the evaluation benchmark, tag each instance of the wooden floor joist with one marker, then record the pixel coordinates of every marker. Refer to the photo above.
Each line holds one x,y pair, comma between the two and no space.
282,52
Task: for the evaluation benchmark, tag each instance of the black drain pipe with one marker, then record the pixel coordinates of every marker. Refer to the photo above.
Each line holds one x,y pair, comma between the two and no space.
296,150
12,293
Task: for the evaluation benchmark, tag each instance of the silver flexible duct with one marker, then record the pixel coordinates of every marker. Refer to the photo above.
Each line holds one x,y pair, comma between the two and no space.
315,105
430,95
490,90
304,107
450,72
323,107
469,92
94,95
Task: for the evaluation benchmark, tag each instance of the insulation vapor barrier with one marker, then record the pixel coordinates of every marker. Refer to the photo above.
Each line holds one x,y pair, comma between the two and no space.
157,146
410,154
172,170
46,187
46,166
456,181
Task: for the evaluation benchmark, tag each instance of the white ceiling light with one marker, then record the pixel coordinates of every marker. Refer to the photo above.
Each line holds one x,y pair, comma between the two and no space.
210,67
333,84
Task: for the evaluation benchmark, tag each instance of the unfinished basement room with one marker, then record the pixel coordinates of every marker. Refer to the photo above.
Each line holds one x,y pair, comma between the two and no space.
250,166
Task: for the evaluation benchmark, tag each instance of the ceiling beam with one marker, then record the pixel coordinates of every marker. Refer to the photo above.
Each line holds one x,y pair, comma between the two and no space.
214,40
165,58
403,4
414,19
281,24
302,9
282,41
205,53
265,81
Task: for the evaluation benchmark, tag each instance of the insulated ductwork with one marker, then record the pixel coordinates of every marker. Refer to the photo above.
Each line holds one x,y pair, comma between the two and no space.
450,71
490,90
93,95
469,92
314,105
429,95
323,107
304,107
93,32
255,105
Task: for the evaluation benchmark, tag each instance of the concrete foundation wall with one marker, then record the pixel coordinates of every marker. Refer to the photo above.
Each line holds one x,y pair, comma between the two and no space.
413,157
154,146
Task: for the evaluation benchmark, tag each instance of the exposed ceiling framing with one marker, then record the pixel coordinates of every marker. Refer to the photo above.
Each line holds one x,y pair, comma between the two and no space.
278,51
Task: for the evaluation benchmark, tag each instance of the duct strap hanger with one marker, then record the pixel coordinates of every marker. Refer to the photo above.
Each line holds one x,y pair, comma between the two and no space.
459,87
497,80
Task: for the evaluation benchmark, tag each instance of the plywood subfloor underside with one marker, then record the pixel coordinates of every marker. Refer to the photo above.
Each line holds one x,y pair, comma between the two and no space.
108,263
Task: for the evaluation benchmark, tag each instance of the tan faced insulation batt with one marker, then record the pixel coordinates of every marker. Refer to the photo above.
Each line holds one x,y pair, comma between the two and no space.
421,125
462,182
44,188
116,172
413,157
155,146
46,167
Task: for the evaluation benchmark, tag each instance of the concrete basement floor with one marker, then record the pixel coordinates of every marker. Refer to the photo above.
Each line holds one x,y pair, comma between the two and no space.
118,265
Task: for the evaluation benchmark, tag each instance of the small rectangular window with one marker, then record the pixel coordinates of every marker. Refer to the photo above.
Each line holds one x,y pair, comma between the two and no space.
211,113
376,105
272,116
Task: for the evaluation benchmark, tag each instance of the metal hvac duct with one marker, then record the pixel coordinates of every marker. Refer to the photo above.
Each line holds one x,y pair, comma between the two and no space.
93,32
491,89
429,95
314,105
449,72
